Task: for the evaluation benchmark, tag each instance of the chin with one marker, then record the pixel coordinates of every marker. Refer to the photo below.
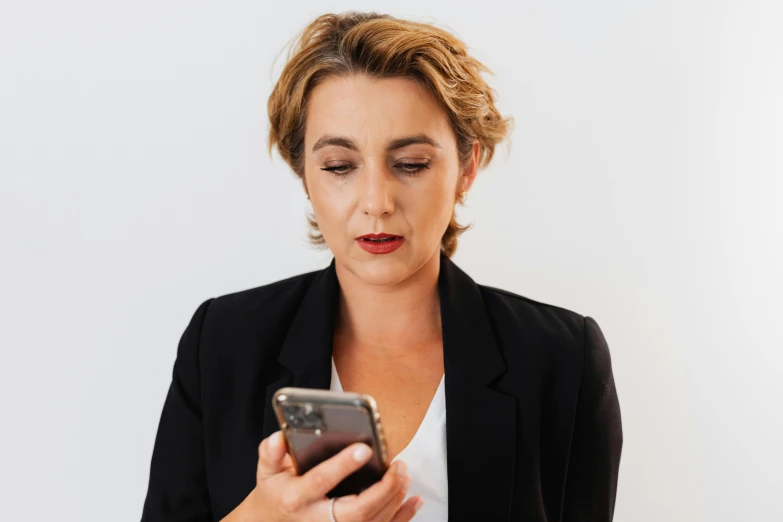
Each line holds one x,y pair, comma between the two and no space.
381,270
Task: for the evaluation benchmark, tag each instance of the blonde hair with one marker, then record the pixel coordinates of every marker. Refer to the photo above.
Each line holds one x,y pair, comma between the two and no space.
382,46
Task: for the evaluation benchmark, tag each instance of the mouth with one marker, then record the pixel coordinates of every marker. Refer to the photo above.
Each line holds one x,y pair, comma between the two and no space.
380,243
378,238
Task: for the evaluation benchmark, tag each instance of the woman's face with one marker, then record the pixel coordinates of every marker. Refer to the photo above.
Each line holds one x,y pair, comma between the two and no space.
381,157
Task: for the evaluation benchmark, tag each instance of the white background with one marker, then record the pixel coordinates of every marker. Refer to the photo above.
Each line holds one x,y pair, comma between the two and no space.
642,188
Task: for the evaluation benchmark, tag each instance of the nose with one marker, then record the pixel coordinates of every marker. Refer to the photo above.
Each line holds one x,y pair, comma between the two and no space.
377,193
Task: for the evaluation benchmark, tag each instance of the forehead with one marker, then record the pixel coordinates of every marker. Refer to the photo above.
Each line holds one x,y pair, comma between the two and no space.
373,110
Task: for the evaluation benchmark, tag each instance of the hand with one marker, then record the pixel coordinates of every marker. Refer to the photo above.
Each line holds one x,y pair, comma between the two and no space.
282,496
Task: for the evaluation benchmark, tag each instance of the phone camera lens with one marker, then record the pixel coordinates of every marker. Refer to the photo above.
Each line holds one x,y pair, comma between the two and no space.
293,415
304,417
312,417
292,409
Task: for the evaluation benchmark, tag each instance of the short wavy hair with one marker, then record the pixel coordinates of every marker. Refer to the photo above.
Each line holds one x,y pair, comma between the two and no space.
382,46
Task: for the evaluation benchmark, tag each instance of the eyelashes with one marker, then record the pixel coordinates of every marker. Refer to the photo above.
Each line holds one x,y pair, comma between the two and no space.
407,169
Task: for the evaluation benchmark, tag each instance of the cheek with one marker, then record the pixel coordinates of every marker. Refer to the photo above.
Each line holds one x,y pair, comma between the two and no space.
331,209
434,206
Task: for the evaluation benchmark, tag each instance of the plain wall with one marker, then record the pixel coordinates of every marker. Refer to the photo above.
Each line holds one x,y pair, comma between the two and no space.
642,188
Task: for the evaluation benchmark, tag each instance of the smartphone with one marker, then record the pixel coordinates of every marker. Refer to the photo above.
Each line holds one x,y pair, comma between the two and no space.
318,424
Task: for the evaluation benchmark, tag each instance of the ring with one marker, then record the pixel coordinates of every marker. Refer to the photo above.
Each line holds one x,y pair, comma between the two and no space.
331,510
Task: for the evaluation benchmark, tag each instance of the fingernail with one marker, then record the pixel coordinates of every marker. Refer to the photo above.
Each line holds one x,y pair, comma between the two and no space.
274,440
361,453
401,467
418,504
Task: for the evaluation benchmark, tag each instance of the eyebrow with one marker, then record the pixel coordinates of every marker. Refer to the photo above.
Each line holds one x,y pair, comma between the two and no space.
348,143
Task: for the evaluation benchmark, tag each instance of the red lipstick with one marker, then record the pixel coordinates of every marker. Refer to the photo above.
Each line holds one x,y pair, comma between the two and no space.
380,243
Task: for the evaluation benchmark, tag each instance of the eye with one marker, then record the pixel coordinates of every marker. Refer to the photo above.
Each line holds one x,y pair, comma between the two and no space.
408,169
337,170
411,169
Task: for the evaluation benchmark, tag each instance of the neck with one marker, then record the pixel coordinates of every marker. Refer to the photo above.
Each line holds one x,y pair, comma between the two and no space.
392,319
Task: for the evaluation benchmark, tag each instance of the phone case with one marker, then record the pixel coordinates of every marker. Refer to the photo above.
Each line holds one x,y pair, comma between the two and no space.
318,424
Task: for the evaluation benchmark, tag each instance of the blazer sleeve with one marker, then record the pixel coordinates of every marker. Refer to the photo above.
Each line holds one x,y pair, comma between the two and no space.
594,460
177,489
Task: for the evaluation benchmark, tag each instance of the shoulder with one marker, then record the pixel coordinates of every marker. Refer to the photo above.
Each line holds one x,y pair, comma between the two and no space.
542,314
273,303
554,331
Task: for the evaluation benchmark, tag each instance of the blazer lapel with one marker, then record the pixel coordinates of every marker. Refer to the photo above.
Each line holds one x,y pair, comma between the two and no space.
306,354
480,421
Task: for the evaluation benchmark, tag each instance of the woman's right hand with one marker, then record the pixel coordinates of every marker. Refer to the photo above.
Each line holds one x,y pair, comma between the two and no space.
281,495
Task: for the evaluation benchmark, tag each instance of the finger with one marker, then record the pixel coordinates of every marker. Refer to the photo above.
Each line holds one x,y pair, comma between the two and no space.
384,495
321,479
288,463
394,501
407,510
271,453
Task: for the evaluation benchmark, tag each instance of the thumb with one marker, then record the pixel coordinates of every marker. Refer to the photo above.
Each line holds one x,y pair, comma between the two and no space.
270,455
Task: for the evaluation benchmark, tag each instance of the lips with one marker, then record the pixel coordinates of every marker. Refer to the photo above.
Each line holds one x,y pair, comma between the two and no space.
378,237
382,243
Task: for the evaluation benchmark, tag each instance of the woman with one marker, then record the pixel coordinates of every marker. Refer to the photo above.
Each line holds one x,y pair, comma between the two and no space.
386,123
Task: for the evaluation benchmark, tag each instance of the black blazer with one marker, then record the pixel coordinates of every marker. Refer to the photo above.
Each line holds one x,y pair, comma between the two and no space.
532,415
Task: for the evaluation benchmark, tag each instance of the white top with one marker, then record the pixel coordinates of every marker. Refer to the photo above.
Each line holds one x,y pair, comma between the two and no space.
425,456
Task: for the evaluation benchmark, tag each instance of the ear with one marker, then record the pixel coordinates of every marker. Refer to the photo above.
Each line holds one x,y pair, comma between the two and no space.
471,169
